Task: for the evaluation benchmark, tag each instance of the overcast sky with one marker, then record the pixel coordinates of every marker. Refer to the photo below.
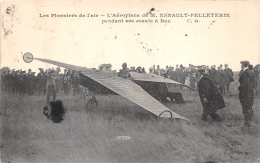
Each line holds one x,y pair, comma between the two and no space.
87,42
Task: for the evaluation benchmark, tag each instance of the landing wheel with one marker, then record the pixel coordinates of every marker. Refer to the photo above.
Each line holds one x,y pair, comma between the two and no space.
164,112
92,104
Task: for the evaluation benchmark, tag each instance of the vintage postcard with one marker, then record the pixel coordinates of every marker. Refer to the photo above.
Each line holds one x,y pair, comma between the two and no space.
130,81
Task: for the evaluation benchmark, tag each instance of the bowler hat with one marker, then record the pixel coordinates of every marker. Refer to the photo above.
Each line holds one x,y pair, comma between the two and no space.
245,63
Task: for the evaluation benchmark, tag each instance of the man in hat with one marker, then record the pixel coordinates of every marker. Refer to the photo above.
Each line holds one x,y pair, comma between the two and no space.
256,71
228,78
8,81
177,69
30,82
213,72
193,80
66,83
167,69
51,90
246,92
33,83
219,79
183,75
75,82
3,81
124,73
158,70
210,97
13,81
154,70
21,82
41,83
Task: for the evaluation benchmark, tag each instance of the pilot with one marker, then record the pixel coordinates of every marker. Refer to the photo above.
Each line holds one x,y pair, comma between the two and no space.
124,73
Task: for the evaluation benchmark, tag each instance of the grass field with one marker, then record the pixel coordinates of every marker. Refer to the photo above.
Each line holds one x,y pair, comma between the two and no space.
27,135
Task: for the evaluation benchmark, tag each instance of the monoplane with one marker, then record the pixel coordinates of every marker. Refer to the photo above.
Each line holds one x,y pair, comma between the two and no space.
141,88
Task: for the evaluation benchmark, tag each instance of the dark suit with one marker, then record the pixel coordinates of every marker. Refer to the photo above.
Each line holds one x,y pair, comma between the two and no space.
208,89
228,78
246,93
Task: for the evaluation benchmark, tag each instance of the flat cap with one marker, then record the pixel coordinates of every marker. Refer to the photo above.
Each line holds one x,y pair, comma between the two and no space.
226,64
245,63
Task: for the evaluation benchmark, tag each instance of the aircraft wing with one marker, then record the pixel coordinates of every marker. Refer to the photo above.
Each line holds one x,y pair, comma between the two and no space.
154,78
123,87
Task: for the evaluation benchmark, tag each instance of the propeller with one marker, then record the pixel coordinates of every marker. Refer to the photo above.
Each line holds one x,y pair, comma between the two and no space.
28,57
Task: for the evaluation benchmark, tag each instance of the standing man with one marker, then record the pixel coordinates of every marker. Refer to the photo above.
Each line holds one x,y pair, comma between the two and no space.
210,97
51,87
41,83
66,83
213,72
182,75
154,70
193,80
246,92
228,78
75,82
219,78
158,70
256,72
3,81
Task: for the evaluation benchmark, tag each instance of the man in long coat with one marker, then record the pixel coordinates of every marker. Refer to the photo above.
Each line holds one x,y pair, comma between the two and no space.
210,97
228,78
246,92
